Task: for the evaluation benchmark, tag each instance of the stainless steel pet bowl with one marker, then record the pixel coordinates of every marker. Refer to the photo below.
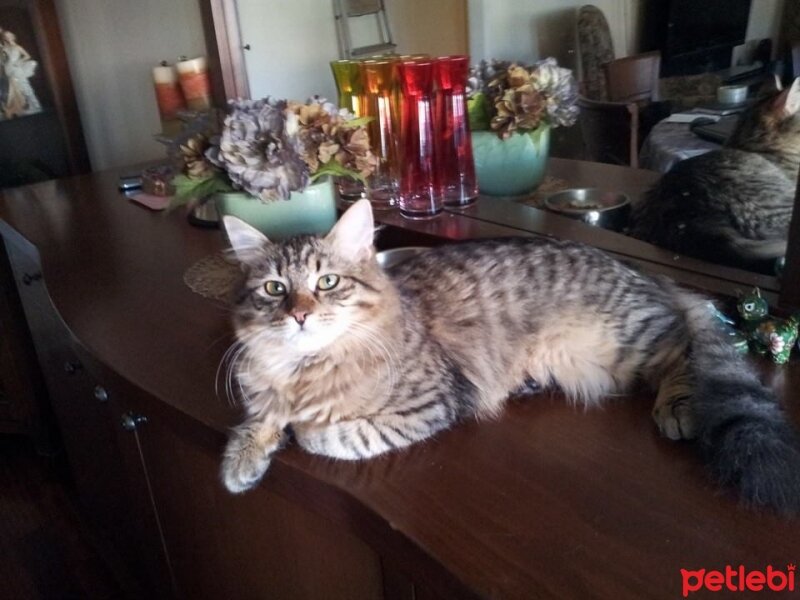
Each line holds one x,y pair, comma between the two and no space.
593,206
390,258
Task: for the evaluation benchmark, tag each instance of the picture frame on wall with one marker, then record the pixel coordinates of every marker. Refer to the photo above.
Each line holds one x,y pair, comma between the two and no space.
22,83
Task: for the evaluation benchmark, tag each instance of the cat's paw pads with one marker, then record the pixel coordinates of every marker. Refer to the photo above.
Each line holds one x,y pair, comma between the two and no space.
243,466
675,419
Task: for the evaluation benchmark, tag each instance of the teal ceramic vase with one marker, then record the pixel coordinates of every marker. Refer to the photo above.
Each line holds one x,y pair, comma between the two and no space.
512,166
311,211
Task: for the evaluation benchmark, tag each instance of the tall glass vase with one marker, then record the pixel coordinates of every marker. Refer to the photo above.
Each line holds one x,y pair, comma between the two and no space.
350,90
418,196
455,173
380,103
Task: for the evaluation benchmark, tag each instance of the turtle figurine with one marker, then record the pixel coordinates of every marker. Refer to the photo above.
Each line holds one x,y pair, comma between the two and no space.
766,335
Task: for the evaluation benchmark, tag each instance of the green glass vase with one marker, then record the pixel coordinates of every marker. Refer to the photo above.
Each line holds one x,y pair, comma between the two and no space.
310,211
513,166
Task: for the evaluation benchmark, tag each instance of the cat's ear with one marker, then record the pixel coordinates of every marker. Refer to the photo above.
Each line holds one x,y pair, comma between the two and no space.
788,101
353,234
246,241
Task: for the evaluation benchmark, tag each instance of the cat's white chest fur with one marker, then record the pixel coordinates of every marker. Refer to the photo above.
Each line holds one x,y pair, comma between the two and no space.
314,389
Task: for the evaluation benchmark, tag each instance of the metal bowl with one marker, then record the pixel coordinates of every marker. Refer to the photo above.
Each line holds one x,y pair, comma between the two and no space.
390,258
601,208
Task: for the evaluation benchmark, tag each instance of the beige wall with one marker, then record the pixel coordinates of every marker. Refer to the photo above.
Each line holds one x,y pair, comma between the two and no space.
111,46
292,41
436,27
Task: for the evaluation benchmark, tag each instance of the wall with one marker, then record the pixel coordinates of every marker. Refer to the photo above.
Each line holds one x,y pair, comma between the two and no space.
292,41
527,31
111,46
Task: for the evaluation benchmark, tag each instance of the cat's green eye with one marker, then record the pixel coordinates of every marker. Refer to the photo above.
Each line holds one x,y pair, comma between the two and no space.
327,282
275,288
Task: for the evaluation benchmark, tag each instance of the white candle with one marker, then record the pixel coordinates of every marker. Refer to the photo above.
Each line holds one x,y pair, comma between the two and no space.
196,86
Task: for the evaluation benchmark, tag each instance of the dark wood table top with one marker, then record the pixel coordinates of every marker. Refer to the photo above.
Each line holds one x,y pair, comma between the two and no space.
545,501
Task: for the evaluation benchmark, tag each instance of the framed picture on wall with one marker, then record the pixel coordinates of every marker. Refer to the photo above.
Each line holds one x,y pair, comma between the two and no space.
22,82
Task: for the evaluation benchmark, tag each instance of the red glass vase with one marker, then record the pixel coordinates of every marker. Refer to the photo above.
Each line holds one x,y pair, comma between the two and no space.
455,172
418,195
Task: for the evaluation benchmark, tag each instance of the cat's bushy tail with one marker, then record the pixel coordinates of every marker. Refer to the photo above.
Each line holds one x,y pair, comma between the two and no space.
744,435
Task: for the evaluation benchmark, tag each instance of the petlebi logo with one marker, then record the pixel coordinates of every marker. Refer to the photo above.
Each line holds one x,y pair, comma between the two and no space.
739,579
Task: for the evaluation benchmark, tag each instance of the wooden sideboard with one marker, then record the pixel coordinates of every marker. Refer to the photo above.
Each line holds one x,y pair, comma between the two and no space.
545,501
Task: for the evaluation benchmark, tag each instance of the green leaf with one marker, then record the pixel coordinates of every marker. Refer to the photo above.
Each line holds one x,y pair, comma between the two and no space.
478,111
335,169
353,123
188,189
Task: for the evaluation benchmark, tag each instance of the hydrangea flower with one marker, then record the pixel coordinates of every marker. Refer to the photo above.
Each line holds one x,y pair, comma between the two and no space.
271,147
508,97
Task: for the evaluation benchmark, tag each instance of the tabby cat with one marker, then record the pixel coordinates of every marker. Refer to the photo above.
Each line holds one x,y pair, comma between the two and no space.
732,206
354,361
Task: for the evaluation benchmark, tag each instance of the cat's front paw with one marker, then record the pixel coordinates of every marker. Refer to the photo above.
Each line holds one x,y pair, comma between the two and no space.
675,419
243,464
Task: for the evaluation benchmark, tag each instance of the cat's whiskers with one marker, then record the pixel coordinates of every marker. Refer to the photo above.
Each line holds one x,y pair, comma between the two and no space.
230,358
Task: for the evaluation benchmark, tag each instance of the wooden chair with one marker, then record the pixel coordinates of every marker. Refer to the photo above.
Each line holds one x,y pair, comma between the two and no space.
610,131
633,78
794,53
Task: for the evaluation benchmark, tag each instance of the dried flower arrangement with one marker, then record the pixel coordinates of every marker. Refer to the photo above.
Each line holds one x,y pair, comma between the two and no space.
271,148
506,97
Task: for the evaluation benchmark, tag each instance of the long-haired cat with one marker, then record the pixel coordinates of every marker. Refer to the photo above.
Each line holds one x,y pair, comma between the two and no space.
355,361
731,206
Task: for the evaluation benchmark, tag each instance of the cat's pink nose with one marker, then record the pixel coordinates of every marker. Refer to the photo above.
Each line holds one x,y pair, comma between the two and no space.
299,316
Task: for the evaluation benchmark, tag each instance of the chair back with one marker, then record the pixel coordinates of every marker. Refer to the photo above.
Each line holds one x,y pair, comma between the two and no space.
633,78
794,52
595,47
610,131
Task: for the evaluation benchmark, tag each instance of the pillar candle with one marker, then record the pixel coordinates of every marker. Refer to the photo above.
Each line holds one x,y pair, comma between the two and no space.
195,83
168,92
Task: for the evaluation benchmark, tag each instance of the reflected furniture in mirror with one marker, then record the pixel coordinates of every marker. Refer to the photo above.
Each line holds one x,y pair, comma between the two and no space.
633,78
595,48
610,131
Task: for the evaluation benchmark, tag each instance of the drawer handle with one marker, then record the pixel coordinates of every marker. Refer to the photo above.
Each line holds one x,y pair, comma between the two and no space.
130,421
29,278
71,366
100,393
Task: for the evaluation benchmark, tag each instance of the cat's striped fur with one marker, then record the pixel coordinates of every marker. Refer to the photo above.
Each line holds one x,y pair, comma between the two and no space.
731,206
385,360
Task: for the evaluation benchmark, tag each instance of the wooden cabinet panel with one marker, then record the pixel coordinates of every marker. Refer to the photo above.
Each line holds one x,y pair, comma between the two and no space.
23,406
255,545
86,425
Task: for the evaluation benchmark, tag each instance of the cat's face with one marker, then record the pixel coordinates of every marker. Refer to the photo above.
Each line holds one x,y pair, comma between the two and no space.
305,294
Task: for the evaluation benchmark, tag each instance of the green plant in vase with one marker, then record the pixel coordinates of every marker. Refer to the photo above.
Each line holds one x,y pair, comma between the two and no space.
512,108
269,164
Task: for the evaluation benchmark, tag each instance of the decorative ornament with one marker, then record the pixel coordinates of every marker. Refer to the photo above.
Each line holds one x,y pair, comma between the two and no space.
767,335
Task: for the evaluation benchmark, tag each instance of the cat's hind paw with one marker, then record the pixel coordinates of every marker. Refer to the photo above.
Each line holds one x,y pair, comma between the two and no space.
675,419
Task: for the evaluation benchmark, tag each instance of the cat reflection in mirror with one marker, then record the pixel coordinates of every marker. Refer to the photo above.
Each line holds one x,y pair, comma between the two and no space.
354,361
732,206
